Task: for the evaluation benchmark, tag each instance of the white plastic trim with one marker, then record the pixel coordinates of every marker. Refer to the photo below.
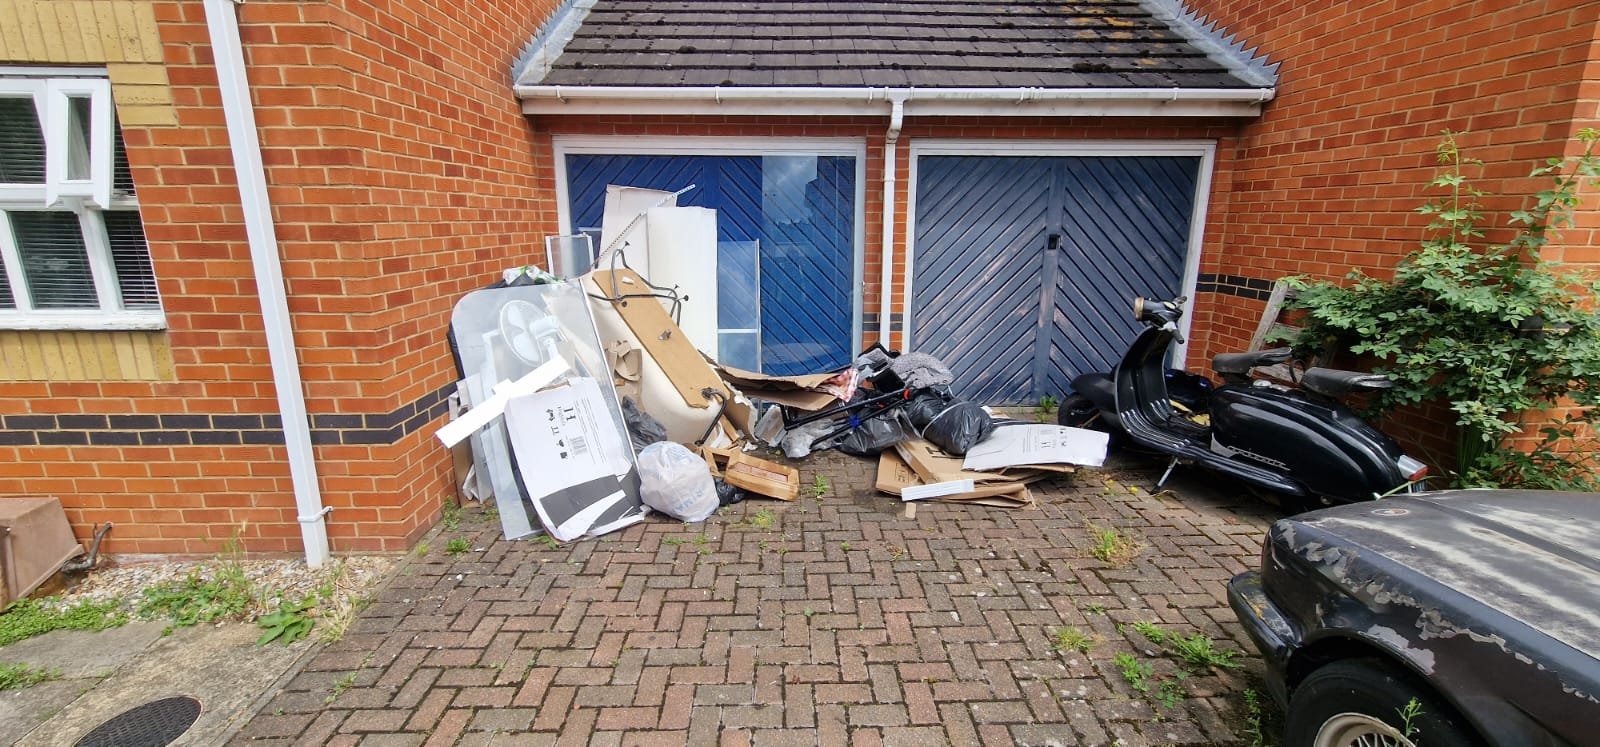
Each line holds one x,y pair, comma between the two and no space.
223,25
808,101
90,320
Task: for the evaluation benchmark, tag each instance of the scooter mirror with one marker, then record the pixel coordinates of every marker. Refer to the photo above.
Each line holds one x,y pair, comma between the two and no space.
1138,308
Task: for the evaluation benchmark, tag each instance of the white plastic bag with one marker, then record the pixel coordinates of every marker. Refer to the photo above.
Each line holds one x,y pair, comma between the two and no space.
675,482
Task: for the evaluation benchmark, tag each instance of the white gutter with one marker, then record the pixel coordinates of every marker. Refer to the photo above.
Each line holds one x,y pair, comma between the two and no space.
228,51
799,100
886,287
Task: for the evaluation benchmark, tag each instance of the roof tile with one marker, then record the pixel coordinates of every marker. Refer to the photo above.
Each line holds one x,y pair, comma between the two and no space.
931,43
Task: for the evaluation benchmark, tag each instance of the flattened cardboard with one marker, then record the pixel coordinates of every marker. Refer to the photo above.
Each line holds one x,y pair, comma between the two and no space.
790,391
933,465
895,475
1031,444
799,399
755,380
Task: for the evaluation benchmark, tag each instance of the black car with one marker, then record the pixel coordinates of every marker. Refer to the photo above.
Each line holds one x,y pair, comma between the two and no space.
1454,618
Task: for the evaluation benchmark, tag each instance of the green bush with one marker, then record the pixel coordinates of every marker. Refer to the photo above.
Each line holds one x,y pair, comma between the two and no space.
1498,334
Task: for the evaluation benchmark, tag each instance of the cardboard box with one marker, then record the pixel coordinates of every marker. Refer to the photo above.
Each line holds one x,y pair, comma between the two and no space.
758,476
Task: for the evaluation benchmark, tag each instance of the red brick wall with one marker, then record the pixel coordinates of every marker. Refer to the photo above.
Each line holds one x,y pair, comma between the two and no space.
402,175
1329,177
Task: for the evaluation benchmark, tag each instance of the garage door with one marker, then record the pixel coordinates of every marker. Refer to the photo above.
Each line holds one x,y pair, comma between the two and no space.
1024,267
800,211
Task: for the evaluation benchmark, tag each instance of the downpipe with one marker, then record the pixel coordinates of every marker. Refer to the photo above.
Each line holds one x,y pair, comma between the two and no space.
897,114
222,22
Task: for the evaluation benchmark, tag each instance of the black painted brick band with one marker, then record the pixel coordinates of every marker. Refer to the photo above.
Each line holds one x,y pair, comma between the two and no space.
220,430
1234,285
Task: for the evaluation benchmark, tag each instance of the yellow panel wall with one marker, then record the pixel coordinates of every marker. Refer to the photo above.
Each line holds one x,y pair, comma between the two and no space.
27,355
118,34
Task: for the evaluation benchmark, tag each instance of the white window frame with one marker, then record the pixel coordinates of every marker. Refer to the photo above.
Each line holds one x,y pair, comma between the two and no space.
702,145
88,199
57,113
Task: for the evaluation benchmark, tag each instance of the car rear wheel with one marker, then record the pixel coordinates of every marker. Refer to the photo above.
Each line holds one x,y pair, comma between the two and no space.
1364,702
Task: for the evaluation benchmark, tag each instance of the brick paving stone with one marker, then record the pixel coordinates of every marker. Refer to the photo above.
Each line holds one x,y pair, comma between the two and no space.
840,623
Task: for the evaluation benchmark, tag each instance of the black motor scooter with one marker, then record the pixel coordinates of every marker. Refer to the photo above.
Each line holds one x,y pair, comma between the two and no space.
1298,443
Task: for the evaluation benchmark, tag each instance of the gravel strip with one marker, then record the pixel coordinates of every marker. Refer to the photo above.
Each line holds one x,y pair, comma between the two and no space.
348,578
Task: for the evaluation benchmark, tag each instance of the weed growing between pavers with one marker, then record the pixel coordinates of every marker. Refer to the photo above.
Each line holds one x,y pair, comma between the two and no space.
1151,631
1045,409
1199,652
339,686
1066,639
701,542
1136,673
457,546
763,520
1113,547
1252,718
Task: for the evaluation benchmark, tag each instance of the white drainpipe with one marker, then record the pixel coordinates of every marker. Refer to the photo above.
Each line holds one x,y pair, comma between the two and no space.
237,109
886,287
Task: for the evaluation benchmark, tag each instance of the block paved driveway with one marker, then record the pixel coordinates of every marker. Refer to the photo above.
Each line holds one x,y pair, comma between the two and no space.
832,621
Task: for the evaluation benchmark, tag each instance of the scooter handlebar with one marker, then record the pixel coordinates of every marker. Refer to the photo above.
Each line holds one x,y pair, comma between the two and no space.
1158,312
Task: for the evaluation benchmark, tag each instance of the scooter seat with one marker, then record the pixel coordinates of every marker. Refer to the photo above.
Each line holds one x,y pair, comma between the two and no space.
1241,363
1331,382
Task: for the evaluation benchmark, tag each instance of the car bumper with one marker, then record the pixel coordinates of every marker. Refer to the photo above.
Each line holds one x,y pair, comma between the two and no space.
1274,637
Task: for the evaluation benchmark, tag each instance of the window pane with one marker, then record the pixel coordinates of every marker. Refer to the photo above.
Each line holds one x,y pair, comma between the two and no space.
121,175
135,276
7,301
21,142
54,260
78,138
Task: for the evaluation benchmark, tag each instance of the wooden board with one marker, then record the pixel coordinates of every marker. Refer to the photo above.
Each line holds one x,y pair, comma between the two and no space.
662,339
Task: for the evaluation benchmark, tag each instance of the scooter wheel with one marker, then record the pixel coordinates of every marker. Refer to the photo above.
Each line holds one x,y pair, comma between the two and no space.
1078,411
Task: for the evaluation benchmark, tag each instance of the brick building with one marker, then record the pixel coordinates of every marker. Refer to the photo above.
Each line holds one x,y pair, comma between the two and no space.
411,149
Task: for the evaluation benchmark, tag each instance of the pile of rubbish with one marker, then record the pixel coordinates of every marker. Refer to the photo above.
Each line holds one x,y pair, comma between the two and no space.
587,403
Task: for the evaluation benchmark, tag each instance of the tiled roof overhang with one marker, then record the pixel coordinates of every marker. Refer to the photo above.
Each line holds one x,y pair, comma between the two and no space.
943,57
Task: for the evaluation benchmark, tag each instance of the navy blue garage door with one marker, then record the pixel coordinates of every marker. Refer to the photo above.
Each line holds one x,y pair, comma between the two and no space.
1025,267
801,210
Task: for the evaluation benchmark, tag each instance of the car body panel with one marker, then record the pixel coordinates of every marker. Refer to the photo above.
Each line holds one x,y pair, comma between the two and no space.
1493,597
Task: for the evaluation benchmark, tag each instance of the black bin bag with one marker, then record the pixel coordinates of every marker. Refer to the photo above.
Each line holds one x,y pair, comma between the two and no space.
959,427
874,435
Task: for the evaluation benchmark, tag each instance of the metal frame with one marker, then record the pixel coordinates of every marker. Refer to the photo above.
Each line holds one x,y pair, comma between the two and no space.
1204,149
696,145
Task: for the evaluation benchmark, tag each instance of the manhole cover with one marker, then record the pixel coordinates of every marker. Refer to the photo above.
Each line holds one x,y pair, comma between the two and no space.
154,724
